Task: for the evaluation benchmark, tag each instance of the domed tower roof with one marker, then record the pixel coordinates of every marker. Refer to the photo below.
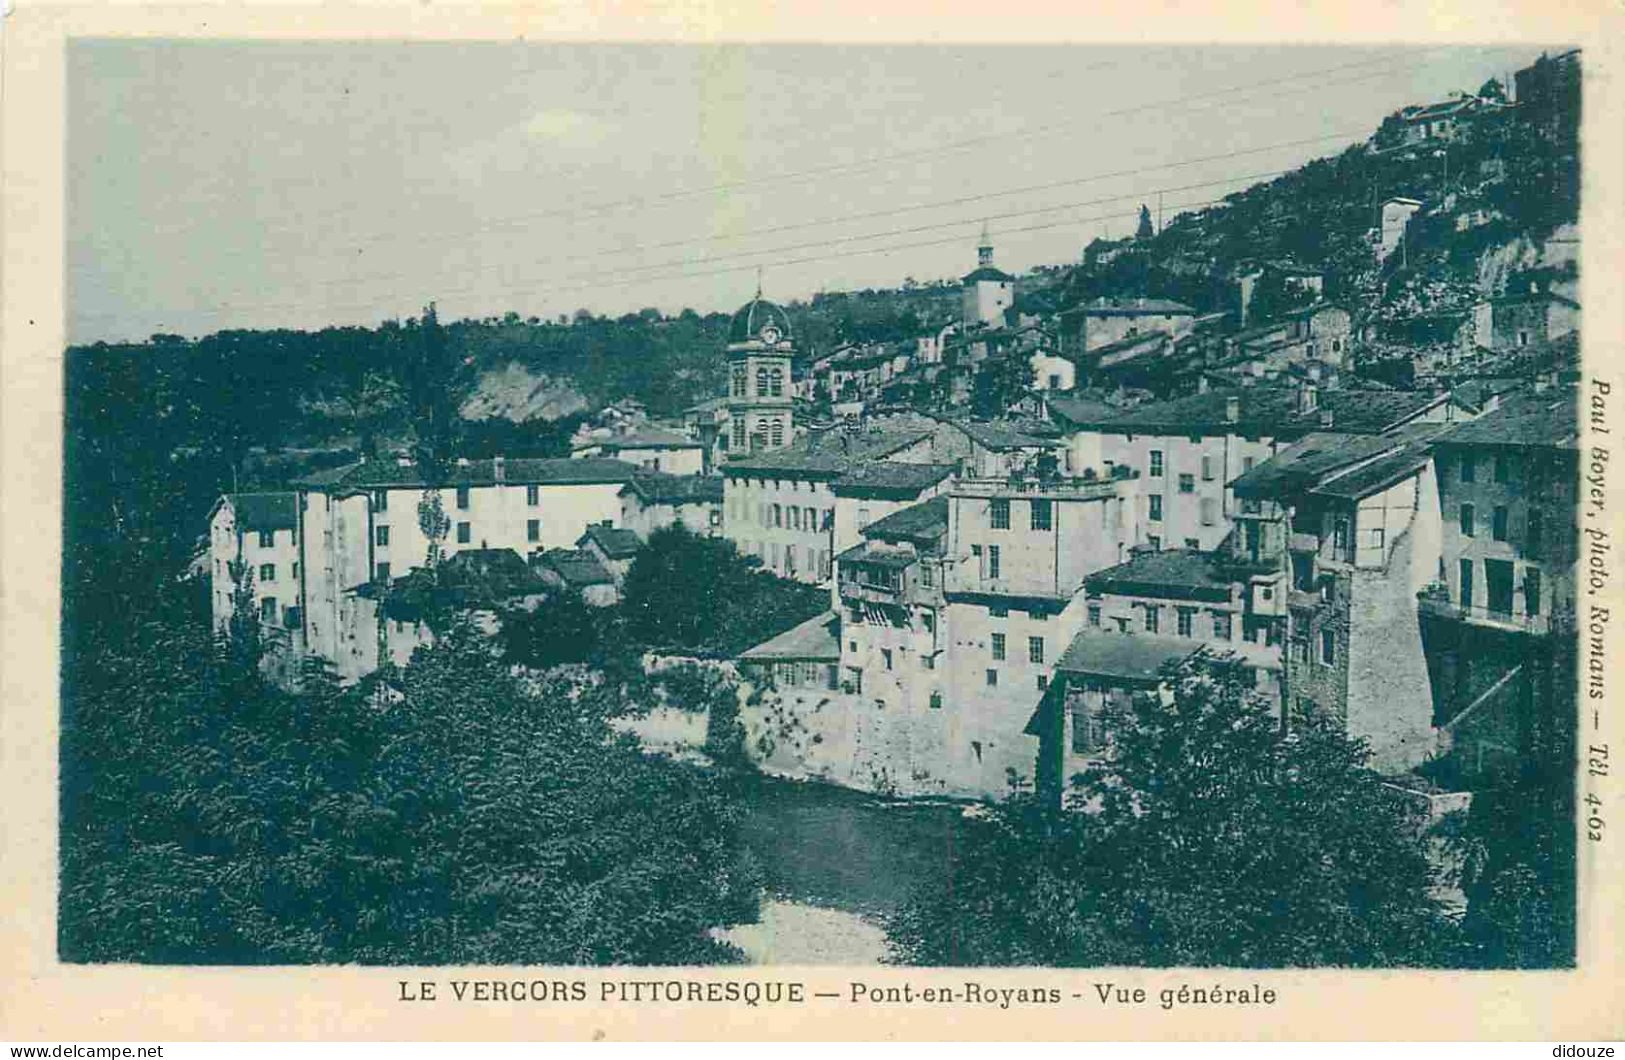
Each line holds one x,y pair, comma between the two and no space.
756,317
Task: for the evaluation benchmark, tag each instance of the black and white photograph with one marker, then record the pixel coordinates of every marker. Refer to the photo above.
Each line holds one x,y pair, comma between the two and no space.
719,504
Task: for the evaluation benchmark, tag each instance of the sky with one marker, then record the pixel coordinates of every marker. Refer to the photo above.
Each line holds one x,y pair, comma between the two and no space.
220,184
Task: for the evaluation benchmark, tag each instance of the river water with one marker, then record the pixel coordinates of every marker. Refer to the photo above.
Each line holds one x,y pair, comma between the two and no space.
836,862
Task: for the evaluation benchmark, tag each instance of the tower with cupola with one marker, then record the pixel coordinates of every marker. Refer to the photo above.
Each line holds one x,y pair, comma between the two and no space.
761,414
988,291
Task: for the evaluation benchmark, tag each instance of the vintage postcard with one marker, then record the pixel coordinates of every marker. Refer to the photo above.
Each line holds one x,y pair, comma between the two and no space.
574,526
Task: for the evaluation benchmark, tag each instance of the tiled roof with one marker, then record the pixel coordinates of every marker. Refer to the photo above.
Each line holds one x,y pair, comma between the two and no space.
1137,657
887,477
1079,411
1177,574
616,542
1133,307
1547,419
817,639
326,476
658,487
1275,411
879,554
648,438
561,471
1005,434
828,455
1300,465
577,567
265,511
923,522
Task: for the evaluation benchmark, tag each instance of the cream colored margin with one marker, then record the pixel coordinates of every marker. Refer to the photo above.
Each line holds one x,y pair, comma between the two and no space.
43,1001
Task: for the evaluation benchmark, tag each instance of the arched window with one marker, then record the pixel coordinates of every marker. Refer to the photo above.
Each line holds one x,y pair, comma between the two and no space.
739,432
739,380
776,432
761,381
776,382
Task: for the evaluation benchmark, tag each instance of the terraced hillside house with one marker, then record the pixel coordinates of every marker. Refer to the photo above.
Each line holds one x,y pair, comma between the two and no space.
1090,325
651,500
1502,614
1018,552
1345,531
261,532
649,448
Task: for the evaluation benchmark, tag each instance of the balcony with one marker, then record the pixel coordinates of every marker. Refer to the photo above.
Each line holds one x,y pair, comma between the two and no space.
1430,602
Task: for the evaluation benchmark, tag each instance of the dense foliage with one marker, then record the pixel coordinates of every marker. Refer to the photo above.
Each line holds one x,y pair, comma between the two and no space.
1208,839
467,815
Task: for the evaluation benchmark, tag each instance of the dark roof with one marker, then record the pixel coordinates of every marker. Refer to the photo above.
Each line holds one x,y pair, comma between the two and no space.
988,272
577,567
1275,411
1079,410
326,476
1547,419
265,511
1536,296
1300,465
829,455
616,542
888,478
817,639
1004,434
1175,574
560,471
648,438
658,487
755,315
924,522
473,577
1136,657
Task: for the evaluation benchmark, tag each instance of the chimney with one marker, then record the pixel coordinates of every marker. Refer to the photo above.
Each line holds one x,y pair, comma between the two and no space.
1232,409
499,469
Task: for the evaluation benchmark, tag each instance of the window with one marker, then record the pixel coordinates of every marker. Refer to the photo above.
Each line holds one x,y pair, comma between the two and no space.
1154,542
1246,464
992,678
738,380
778,516
776,433
381,536
809,518
936,700
1038,615
795,518
296,572
267,538
1466,580
775,383
1094,615
1043,683
462,498
996,611
1155,500
380,500
1498,522
1035,649
1208,508
533,495
533,530
1153,618
1328,647
1531,591
1041,516
1207,469
928,621
465,533
1183,622
267,609
1193,543
1156,463
739,432
267,572
1221,625
1001,515
381,572
998,646
1467,520
928,575
761,382
1340,537
1503,467
1187,483
885,655
1469,469
993,561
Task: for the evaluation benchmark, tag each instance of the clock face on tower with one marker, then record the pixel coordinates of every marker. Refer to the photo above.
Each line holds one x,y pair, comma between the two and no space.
770,335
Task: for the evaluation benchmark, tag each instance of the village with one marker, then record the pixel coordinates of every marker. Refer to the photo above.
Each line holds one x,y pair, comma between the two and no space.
1023,515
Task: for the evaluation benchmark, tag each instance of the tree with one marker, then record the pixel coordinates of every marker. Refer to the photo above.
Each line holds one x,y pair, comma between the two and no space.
1492,89
1000,382
1205,838
1144,230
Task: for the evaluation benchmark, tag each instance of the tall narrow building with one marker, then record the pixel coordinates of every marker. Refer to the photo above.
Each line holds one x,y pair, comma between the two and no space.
760,349
988,291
